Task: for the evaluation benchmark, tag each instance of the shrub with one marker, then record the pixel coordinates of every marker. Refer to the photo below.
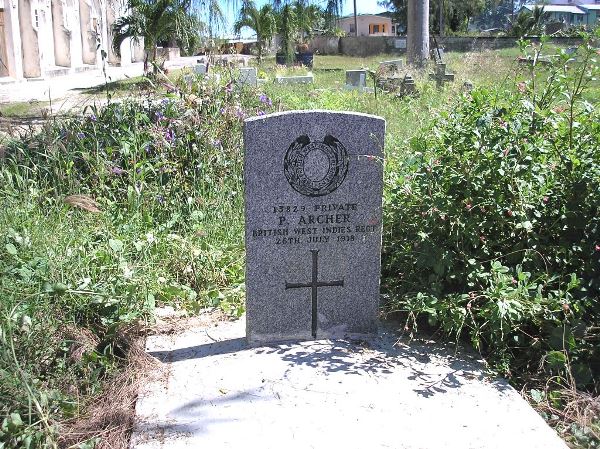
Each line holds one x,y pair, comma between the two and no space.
493,232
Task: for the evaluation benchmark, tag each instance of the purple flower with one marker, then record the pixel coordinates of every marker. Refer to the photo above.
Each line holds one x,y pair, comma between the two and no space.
215,142
259,112
80,135
117,170
222,111
93,118
160,199
265,100
159,116
169,135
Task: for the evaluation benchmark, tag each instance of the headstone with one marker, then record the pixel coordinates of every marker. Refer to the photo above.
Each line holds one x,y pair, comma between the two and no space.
408,86
200,69
313,224
438,55
440,76
248,76
356,79
571,50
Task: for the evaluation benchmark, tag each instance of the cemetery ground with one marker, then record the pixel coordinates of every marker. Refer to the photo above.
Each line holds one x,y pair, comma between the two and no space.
491,234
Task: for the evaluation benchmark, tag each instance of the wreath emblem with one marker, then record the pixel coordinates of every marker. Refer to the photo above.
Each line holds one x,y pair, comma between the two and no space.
301,177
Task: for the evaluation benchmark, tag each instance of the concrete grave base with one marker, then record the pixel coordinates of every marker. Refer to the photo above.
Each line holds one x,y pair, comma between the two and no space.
299,79
349,393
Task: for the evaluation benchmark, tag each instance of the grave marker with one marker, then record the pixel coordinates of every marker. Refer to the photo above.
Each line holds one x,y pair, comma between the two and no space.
440,76
356,79
200,69
313,224
248,76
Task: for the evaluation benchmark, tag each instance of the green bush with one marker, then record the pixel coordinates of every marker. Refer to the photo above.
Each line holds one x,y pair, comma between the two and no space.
493,227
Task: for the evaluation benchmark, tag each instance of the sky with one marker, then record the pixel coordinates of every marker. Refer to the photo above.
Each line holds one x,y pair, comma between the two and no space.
362,7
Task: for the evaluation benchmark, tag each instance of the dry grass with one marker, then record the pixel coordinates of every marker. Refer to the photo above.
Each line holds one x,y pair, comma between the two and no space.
567,410
109,417
578,408
84,202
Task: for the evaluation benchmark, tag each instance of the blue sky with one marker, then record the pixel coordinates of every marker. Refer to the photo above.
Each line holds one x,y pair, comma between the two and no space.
362,7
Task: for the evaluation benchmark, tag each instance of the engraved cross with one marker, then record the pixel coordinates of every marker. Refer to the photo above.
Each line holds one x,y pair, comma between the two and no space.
314,285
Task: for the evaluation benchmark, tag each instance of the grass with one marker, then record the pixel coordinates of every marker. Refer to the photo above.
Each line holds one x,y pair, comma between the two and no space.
122,87
169,230
22,109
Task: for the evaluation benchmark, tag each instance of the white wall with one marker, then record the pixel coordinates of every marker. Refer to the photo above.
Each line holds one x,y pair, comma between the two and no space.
347,23
35,41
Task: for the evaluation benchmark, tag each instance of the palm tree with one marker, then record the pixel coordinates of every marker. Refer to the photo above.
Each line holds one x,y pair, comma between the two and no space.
287,29
157,21
308,17
261,21
528,23
332,9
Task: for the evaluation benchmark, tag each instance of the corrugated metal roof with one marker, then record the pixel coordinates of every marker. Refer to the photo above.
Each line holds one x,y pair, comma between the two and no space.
592,6
557,8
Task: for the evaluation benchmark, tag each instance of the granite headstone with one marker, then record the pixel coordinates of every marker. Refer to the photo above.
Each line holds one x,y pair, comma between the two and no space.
356,79
314,182
248,76
200,69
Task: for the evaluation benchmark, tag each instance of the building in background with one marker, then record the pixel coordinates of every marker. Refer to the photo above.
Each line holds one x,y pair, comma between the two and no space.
44,38
570,12
368,25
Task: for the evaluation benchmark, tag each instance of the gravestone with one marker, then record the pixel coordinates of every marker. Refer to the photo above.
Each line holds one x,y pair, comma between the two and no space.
248,76
356,79
440,76
200,69
313,224
408,86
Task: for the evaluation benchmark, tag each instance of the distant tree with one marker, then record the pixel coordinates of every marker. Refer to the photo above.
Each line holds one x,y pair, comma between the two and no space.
455,14
261,21
528,23
287,27
328,14
495,14
157,21
308,16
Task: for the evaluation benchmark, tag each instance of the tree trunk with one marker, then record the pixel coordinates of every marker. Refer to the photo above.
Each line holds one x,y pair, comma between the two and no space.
418,32
355,20
442,18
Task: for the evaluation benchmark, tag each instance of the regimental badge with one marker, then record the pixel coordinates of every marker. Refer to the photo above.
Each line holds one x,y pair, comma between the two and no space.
324,180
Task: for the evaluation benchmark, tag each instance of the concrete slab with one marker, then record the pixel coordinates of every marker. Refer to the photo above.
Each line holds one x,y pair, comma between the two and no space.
220,393
299,79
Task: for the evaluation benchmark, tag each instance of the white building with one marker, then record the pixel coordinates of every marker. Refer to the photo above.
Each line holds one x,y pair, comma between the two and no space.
42,38
569,12
368,25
